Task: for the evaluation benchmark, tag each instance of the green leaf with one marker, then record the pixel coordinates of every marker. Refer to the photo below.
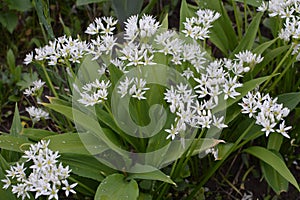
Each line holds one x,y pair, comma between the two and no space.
277,182
16,127
124,9
153,175
19,5
11,60
165,23
185,12
255,3
27,79
13,143
274,161
9,20
42,9
250,35
262,47
269,57
86,166
82,143
290,100
85,2
116,187
37,134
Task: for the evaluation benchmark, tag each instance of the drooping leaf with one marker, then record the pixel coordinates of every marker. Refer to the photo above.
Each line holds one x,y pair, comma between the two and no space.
86,166
274,161
277,182
116,187
155,174
85,2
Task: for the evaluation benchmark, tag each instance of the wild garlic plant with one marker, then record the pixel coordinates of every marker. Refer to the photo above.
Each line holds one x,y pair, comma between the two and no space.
128,67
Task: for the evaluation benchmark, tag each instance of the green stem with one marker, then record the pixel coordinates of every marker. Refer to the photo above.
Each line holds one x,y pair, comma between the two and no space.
282,74
278,66
219,163
239,30
49,81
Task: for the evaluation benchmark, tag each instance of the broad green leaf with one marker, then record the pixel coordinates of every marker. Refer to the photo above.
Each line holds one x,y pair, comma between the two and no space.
9,20
86,166
85,2
274,161
250,35
185,12
290,100
223,149
16,127
19,5
262,47
124,9
42,9
165,23
13,143
274,179
71,143
255,3
116,187
153,175
83,121
36,134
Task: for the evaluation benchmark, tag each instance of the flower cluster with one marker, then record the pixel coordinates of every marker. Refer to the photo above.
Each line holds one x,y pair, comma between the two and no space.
60,51
289,12
94,93
37,85
198,27
46,175
267,112
36,114
135,87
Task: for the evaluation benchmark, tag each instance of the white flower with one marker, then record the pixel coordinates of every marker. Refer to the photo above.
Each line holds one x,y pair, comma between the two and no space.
249,57
172,132
37,113
282,129
29,58
68,188
37,85
198,27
